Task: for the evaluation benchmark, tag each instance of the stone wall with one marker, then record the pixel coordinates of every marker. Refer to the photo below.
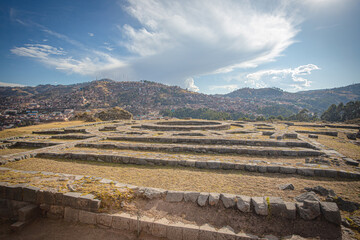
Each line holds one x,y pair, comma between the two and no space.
334,134
205,149
311,172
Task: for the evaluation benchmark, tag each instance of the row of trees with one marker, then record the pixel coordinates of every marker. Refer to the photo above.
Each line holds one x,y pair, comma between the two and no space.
335,113
341,112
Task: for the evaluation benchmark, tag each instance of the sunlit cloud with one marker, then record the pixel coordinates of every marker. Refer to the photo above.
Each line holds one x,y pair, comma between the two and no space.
288,79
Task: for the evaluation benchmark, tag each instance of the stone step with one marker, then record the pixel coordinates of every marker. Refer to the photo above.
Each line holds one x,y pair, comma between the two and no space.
213,141
28,212
238,150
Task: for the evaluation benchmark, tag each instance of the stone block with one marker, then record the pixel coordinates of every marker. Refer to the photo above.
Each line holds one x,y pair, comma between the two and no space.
48,197
226,233
244,203
55,212
260,206
104,220
273,169
287,170
175,231
14,192
191,231
331,173
191,196
121,221
146,224
134,224
3,186
229,200
28,212
214,199
70,199
87,217
213,164
262,169
290,212
251,167
207,232
306,172
308,210
159,228
277,207
331,212
152,193
71,214
202,199
174,196
311,196
30,194
84,202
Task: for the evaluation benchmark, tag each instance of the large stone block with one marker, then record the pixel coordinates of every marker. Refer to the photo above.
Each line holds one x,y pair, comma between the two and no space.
191,232
48,197
152,193
146,224
308,210
287,170
244,203
202,199
174,196
290,212
87,217
331,212
84,202
104,220
70,199
30,194
121,221
14,192
207,232
260,205
191,196
55,212
214,199
277,207
175,231
229,200
3,186
311,196
159,228
273,169
28,212
71,214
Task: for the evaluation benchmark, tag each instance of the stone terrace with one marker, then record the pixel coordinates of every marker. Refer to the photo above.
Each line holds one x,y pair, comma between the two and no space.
254,151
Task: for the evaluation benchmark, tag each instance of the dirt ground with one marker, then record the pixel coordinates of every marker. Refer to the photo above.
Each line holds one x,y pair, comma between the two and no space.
47,229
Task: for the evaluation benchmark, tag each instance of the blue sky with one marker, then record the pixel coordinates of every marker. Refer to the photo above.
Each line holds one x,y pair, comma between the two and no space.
205,46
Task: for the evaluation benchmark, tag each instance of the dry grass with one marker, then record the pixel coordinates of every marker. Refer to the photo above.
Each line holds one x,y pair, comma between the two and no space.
14,150
15,132
341,144
236,182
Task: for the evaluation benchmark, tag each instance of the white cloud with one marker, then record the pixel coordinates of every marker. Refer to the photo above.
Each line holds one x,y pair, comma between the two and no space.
179,40
282,78
55,57
190,85
184,39
91,34
3,84
226,88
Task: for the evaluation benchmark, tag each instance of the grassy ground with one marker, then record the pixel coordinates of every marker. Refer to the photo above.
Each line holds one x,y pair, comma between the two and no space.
14,150
341,144
237,182
15,132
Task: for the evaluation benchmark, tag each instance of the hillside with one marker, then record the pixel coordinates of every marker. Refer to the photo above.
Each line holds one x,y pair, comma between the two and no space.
144,97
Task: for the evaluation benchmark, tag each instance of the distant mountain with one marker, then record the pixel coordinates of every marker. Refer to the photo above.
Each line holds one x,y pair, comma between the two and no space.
314,100
146,97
